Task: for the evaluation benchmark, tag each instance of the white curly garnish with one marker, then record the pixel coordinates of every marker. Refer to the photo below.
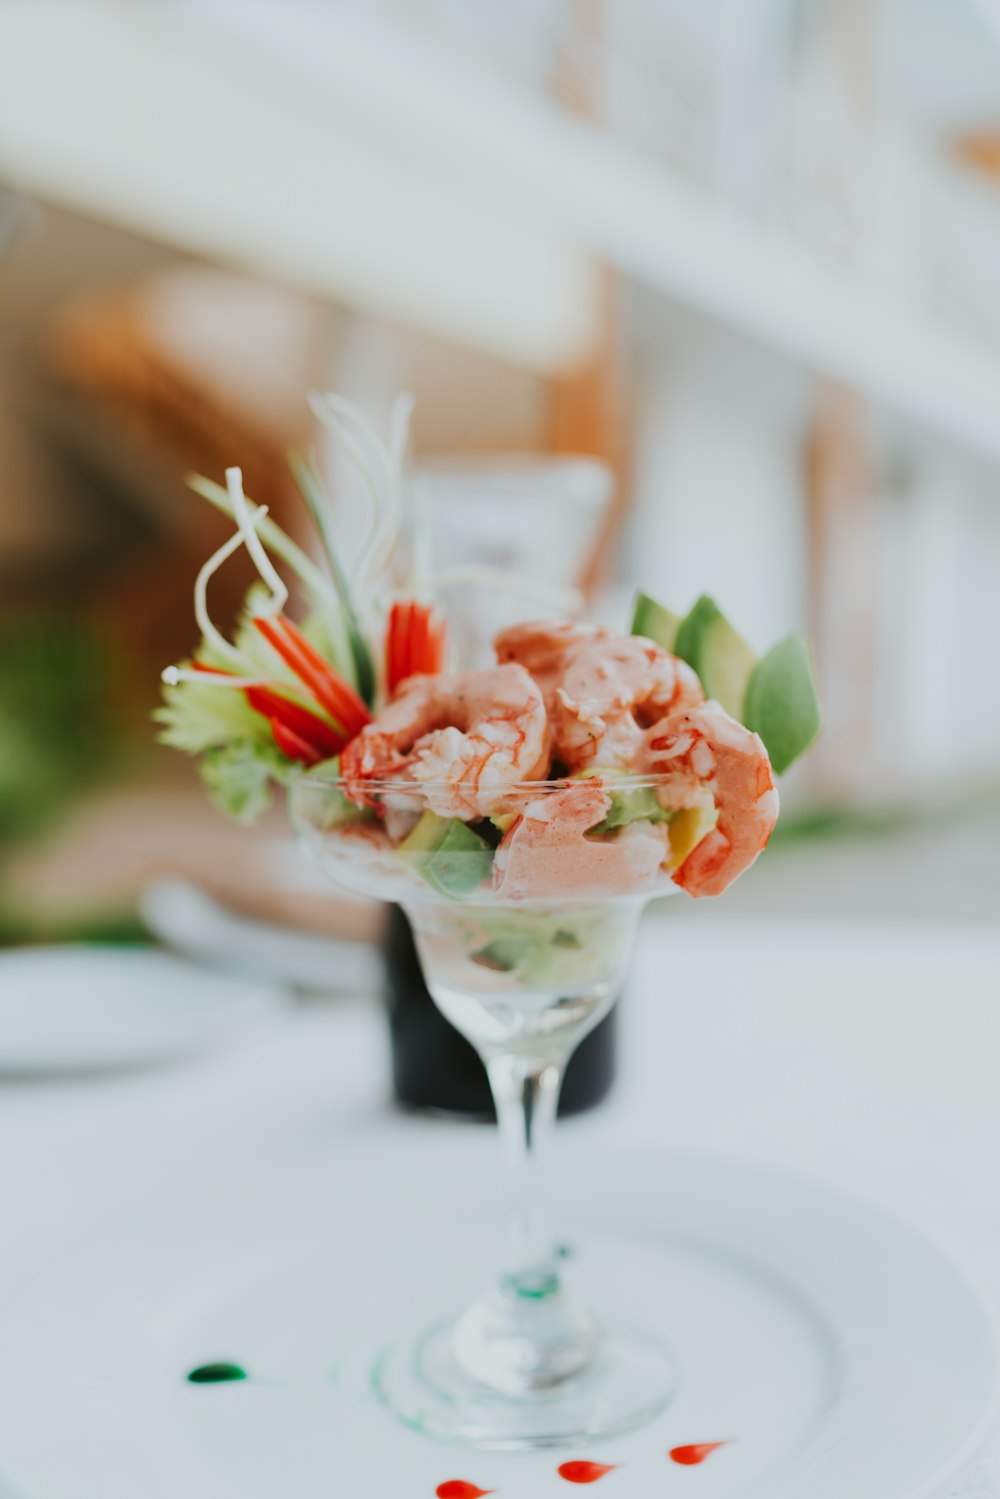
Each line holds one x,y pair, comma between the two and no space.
248,533
174,675
399,429
207,571
381,466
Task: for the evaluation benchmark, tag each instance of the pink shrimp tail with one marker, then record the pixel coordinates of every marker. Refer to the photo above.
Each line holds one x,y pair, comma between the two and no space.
709,867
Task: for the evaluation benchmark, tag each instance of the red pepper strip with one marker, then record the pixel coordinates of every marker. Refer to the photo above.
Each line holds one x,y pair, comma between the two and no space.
309,727
407,614
432,644
330,690
392,650
420,621
404,660
439,637
414,642
395,662
395,666
291,745
402,613
354,714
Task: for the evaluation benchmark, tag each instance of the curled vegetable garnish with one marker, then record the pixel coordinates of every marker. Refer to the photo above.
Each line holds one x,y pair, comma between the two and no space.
260,559
217,640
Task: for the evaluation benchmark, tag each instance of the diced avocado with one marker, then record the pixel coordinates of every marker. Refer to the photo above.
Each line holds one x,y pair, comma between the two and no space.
687,828
631,804
655,622
721,657
449,855
628,803
505,953
782,704
502,956
502,821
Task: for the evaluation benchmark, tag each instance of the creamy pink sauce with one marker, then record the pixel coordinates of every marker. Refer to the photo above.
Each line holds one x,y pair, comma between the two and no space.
564,862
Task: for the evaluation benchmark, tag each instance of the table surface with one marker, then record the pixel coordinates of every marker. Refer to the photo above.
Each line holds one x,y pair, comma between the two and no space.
862,1055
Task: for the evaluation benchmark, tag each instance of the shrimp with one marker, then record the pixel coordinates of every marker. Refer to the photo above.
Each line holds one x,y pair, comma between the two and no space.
463,737
708,754
541,647
546,852
601,690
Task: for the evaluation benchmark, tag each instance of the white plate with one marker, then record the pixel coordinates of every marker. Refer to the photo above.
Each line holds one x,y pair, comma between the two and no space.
193,923
837,1353
77,1008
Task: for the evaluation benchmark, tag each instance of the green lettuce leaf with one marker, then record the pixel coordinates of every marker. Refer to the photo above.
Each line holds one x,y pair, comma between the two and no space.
195,718
240,777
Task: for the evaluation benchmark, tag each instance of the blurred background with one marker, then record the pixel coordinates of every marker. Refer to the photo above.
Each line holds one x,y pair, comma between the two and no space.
745,252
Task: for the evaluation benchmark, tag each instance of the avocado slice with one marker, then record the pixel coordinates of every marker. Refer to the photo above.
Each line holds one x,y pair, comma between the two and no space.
721,657
782,704
448,854
775,696
426,836
655,622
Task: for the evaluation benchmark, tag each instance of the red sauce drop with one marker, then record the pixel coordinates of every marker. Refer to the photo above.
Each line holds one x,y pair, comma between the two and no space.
584,1472
694,1453
457,1488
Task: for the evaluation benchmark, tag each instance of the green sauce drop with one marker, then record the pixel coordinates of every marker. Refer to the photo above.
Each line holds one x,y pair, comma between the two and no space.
216,1374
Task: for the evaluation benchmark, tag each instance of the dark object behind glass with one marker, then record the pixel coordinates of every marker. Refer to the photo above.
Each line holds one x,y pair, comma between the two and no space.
434,1067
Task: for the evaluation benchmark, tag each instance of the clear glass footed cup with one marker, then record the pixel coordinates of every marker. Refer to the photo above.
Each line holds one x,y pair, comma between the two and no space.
524,951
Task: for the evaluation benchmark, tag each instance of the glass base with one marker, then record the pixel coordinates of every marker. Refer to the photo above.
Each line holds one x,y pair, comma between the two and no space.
627,1384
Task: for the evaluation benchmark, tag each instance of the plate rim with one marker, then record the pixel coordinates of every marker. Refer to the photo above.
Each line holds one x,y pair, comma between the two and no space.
253,1001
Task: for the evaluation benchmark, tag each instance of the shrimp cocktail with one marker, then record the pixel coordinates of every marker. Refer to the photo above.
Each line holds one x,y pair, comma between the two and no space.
522,813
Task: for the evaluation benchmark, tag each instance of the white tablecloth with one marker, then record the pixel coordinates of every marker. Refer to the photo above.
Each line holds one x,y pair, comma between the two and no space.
864,1056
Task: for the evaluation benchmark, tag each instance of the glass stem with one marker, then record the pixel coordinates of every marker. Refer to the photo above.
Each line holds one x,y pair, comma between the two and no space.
526,1092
